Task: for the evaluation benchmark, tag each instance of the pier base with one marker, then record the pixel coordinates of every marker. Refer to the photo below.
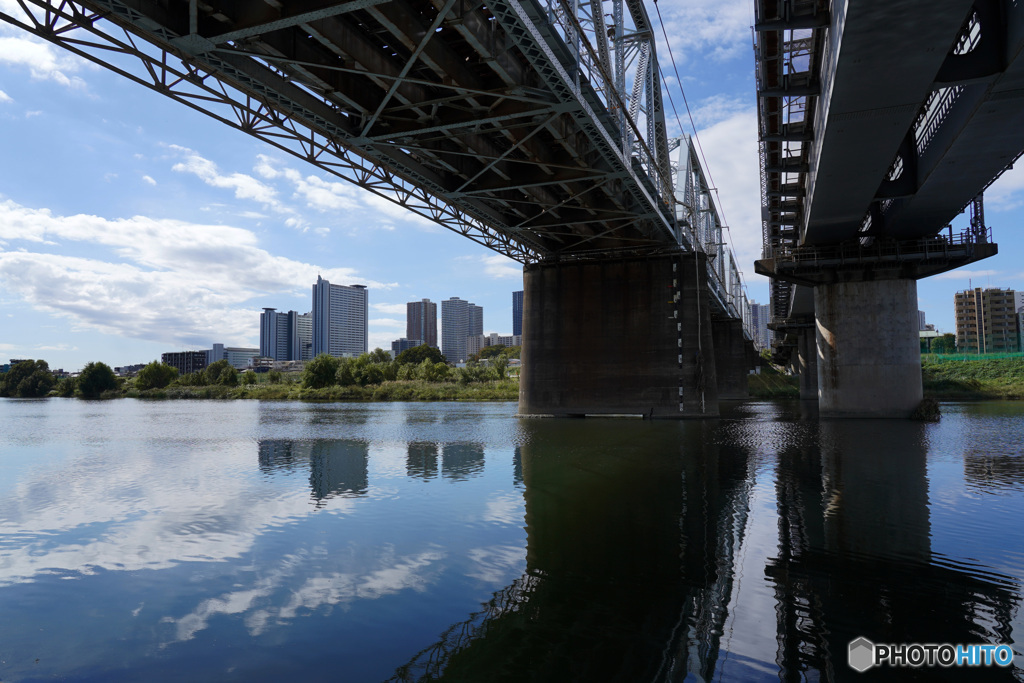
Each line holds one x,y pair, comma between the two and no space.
868,350
732,363
628,335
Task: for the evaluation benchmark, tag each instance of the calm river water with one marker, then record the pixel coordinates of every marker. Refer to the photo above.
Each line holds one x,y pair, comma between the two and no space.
265,541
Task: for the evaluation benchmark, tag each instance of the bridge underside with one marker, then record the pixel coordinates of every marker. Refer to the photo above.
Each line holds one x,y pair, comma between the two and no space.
880,122
536,129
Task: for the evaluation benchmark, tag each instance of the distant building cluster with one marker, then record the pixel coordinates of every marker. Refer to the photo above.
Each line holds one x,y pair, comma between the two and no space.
989,320
462,328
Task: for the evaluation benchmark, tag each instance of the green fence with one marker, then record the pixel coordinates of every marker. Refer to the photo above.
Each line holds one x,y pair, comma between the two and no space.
947,357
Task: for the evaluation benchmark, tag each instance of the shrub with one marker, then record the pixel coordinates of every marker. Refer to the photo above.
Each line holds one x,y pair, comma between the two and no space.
28,379
95,379
320,372
156,375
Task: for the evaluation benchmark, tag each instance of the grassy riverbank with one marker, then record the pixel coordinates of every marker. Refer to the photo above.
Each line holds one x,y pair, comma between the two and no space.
984,378
944,379
773,384
398,390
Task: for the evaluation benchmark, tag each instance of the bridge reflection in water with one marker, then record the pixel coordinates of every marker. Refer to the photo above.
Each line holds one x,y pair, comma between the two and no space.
637,536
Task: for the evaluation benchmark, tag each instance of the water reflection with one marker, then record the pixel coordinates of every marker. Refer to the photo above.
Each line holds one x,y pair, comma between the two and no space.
337,467
421,461
631,532
460,461
855,555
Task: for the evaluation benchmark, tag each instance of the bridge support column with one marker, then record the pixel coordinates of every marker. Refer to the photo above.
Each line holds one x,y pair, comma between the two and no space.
869,353
627,335
731,361
807,363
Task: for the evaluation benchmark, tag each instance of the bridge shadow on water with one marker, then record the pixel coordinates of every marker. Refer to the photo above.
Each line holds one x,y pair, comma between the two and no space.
639,535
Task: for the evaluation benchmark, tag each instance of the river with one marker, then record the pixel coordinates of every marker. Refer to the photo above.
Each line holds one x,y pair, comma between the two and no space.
269,541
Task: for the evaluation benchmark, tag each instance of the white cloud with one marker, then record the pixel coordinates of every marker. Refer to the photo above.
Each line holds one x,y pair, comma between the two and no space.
730,147
244,186
963,274
392,309
43,61
387,322
148,180
719,29
4,97
499,266
166,280
1007,193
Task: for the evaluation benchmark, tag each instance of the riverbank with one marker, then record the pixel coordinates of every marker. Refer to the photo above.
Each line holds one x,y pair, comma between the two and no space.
398,390
943,379
973,379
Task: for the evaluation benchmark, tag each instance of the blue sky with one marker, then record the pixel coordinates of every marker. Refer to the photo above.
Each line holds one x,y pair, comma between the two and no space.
131,225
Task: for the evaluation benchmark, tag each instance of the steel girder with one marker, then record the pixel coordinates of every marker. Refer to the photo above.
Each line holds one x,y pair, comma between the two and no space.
475,117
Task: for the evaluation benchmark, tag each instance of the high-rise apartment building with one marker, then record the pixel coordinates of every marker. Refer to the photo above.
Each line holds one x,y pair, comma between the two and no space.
286,336
986,321
459,320
421,322
759,316
517,313
340,319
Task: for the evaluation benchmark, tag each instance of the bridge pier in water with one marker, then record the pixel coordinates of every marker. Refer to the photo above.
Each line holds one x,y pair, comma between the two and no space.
807,362
623,335
869,360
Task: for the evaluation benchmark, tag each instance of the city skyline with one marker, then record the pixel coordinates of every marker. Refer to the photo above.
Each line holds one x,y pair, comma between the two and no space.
131,225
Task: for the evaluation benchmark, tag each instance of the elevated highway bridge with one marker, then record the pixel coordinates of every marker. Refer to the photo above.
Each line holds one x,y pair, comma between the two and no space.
880,122
537,130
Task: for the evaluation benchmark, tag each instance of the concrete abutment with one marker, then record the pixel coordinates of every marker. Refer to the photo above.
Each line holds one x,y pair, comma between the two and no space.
625,335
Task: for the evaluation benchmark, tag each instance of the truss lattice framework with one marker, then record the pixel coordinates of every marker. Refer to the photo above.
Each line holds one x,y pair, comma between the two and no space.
76,28
355,88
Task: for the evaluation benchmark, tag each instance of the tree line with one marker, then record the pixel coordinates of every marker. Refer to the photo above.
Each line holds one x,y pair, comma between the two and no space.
33,378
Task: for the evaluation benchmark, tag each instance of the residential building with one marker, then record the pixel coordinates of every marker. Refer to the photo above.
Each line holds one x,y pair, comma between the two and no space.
987,321
186,361
476,343
459,319
286,336
759,317
517,313
421,321
404,344
340,319
921,325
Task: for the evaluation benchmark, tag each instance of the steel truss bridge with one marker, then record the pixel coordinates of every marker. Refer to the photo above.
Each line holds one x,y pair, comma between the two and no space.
881,121
536,130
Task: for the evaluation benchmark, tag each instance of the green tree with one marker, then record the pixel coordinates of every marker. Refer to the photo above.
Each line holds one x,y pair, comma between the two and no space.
156,375
213,371
492,351
94,379
433,372
320,372
65,387
228,377
417,355
249,377
275,377
379,355
944,344
500,366
27,379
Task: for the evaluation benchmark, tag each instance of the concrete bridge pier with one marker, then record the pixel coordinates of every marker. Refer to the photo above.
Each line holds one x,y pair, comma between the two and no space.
619,335
807,363
732,360
868,350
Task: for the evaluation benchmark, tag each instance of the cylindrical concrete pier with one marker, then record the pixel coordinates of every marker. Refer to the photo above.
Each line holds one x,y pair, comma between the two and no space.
807,361
869,360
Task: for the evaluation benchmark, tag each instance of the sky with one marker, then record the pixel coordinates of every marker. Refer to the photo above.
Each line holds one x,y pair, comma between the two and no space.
131,225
